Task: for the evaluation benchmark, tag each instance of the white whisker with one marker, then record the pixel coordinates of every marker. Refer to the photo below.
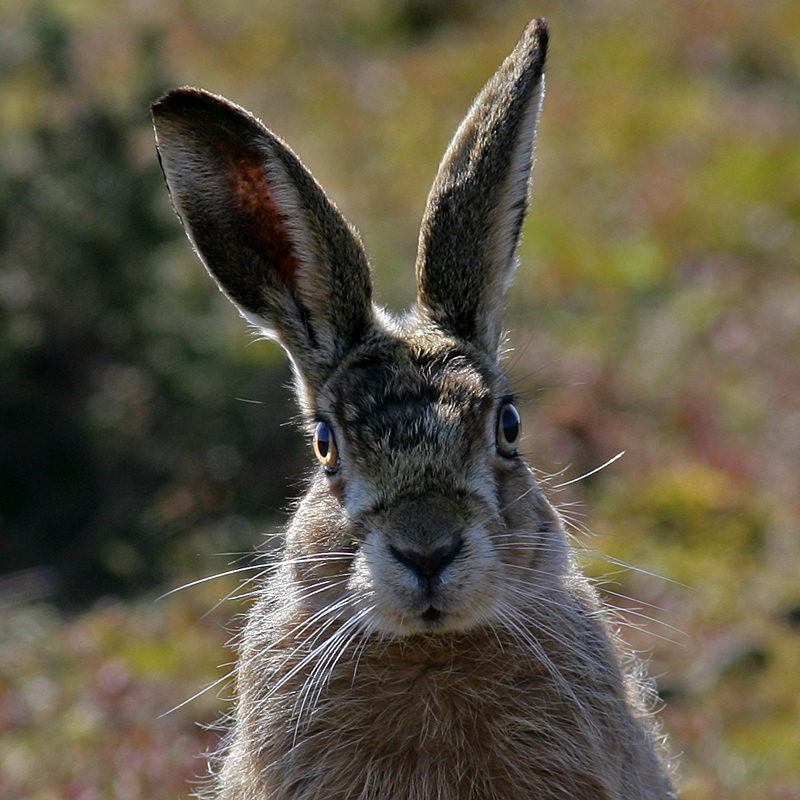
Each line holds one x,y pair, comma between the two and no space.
208,578
208,688
592,472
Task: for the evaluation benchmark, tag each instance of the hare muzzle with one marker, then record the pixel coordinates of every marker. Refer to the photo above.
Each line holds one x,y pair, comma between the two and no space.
425,564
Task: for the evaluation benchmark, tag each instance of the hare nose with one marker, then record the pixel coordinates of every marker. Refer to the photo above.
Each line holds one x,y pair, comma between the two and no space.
428,563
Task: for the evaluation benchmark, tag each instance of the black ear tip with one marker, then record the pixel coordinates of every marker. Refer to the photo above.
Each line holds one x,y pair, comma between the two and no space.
538,33
543,26
201,114
184,99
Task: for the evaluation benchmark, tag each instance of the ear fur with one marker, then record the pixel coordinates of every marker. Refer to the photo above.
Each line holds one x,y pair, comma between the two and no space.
478,202
263,227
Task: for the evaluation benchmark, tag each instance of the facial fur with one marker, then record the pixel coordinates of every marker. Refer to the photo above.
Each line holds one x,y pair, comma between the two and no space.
414,414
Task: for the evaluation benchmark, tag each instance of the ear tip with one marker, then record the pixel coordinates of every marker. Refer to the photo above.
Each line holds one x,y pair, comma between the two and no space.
197,113
538,27
542,25
182,100
535,39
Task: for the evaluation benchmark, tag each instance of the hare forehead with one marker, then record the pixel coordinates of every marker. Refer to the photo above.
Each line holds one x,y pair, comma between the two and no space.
398,381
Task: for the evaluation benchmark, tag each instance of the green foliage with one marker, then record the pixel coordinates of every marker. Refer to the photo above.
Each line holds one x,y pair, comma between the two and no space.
119,424
88,706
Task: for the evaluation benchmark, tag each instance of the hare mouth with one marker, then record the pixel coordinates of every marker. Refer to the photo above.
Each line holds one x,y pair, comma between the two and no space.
432,616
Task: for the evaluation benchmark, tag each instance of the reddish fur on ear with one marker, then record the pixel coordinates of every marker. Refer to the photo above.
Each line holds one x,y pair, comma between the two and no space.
251,192
222,190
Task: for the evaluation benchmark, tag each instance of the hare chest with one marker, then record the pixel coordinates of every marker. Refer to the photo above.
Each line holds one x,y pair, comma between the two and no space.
395,726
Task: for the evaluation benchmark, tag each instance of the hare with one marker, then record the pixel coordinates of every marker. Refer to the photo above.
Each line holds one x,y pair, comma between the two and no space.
426,634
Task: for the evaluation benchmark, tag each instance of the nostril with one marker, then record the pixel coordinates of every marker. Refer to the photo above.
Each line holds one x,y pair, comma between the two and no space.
428,563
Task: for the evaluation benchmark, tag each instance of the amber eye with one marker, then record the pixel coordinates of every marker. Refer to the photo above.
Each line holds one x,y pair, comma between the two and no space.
509,427
325,447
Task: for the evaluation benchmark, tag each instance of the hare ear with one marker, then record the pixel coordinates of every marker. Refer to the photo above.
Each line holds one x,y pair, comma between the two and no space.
264,229
475,211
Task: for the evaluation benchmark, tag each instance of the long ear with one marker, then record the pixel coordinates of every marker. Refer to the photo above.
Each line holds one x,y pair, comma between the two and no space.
264,229
475,211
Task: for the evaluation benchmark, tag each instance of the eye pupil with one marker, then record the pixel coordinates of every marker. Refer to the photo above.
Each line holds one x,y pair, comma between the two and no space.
509,426
325,447
510,423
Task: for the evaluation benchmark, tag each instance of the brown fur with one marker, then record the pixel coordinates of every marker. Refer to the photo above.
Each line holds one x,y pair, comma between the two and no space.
464,716
425,634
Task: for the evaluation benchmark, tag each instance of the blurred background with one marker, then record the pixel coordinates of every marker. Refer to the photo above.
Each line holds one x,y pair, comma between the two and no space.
146,440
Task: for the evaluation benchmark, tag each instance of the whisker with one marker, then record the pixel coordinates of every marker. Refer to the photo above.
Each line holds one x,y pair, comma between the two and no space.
330,653
328,611
208,578
208,688
234,593
620,612
517,499
625,565
592,472
510,618
307,659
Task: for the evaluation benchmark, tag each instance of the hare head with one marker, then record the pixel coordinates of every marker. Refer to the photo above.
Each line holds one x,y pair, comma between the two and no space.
416,501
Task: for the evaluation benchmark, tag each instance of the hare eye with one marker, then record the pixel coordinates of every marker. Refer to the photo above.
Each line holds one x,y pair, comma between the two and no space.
325,447
508,430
